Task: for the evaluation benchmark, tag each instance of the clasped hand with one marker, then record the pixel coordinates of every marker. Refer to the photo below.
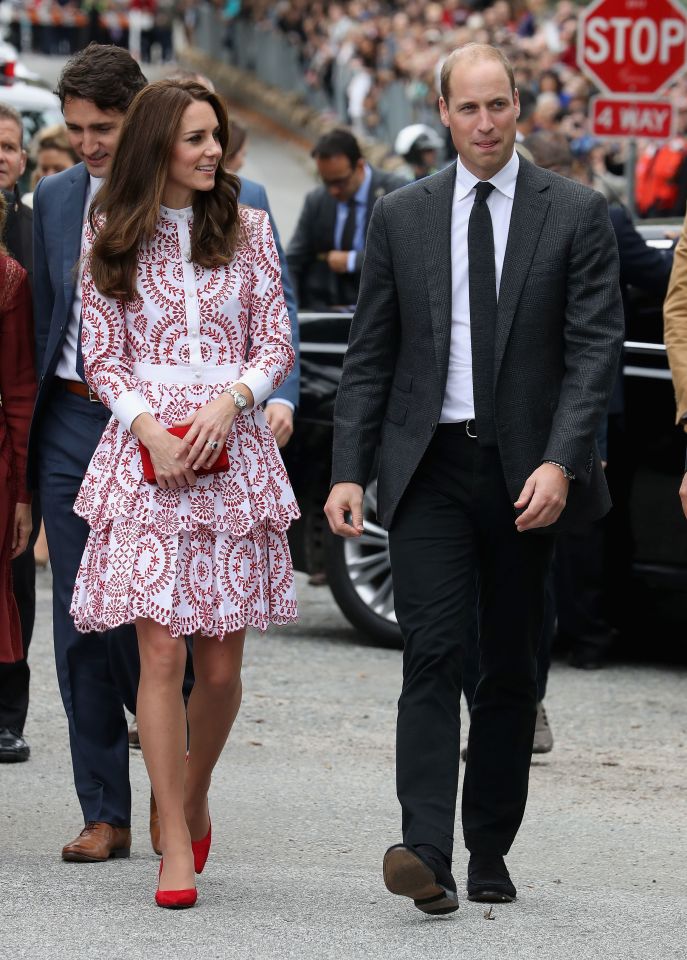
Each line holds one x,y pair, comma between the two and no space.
175,459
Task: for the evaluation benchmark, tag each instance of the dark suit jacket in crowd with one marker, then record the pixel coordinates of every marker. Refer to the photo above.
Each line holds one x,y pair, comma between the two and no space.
559,331
318,287
641,266
18,237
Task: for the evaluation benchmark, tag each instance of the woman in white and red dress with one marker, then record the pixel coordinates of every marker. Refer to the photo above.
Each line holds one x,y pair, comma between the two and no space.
184,323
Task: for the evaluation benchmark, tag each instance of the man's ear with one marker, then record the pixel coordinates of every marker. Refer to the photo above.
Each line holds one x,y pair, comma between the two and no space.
443,111
516,101
24,157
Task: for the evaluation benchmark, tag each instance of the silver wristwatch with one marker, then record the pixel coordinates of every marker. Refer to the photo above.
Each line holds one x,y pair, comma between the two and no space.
238,398
568,474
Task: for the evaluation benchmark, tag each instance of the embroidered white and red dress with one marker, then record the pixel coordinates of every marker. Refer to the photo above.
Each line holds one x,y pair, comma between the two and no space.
212,557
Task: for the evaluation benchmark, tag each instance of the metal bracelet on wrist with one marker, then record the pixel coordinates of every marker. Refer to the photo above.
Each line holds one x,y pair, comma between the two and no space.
568,474
239,399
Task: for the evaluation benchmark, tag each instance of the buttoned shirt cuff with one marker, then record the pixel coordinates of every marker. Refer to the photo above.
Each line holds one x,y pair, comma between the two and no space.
287,403
258,384
128,406
350,262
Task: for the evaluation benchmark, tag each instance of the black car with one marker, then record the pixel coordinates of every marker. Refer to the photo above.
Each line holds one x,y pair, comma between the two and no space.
647,549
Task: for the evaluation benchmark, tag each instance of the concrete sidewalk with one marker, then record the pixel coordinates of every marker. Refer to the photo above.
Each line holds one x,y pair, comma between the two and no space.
303,807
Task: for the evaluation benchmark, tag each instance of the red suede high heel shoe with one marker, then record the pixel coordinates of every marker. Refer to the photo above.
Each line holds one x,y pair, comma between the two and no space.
175,899
201,850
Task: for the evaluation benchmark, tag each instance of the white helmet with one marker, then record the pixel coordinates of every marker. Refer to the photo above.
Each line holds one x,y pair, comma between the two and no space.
416,138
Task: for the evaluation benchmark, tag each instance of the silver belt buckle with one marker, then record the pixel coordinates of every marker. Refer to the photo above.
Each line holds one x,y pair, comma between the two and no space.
93,397
468,425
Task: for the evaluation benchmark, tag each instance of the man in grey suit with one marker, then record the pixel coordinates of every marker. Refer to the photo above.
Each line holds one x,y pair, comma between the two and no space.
482,356
325,255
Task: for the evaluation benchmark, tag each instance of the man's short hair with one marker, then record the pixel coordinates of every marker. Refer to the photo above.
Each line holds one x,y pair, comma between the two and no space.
473,51
106,75
528,103
9,113
335,143
550,150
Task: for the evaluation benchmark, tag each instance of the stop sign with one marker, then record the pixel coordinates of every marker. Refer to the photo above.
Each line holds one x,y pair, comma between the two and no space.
632,46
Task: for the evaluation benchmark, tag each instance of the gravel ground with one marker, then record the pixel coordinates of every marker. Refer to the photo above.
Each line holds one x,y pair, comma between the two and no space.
303,807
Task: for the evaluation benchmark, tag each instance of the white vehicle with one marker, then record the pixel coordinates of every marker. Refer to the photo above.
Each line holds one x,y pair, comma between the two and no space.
38,106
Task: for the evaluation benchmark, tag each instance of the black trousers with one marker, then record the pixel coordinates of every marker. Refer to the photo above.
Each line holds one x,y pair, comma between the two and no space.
456,525
15,677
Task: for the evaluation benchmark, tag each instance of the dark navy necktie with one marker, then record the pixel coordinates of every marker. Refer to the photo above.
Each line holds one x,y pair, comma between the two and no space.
483,305
348,232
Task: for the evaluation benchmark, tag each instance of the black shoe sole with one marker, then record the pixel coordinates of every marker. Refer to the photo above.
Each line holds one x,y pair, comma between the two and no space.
14,758
490,896
406,875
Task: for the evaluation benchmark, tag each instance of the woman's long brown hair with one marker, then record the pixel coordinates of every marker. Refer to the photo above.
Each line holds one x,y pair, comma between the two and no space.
131,196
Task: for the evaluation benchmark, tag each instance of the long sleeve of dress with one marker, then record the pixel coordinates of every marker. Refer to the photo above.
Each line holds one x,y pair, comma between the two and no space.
17,376
106,358
271,355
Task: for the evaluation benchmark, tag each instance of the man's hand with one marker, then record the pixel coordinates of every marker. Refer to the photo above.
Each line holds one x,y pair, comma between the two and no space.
280,418
22,529
337,260
544,495
345,498
683,494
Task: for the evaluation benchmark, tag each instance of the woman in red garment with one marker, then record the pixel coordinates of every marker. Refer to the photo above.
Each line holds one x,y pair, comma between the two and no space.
17,393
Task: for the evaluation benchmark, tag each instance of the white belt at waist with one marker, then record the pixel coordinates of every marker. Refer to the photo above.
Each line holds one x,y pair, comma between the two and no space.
187,373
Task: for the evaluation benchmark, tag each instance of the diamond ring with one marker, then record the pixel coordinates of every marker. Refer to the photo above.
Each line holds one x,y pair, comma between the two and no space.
213,443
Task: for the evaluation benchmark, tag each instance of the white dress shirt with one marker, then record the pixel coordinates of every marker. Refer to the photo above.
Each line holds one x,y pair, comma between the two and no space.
66,365
459,402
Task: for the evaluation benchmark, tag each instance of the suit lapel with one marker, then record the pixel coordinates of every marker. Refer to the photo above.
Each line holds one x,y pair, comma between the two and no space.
72,222
530,207
437,252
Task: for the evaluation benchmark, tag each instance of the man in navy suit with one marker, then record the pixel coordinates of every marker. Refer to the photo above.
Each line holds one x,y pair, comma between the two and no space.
97,673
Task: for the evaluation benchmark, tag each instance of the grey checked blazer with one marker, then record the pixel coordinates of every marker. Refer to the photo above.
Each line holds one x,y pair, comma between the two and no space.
559,333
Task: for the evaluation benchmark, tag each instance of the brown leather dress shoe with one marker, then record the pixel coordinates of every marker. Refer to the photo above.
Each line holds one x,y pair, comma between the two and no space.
155,826
97,842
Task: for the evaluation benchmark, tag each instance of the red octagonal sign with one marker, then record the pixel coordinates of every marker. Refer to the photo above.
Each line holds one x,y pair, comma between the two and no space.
632,46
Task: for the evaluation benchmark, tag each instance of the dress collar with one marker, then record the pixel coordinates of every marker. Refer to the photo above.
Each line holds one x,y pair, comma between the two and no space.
184,213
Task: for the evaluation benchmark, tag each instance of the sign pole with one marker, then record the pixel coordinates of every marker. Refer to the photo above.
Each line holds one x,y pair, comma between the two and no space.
630,166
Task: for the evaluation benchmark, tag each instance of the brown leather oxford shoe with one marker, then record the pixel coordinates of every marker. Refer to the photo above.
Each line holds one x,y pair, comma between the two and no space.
97,842
155,826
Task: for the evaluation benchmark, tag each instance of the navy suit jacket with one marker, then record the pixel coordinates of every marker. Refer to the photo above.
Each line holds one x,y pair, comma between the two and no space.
254,195
58,203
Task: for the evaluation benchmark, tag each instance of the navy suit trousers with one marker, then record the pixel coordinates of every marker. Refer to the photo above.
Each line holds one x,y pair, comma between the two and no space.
97,672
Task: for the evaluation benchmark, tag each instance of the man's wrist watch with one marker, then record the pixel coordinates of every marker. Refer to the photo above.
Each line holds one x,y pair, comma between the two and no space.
238,398
568,474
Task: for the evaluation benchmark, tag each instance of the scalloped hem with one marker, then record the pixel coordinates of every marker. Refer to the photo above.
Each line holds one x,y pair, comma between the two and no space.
183,626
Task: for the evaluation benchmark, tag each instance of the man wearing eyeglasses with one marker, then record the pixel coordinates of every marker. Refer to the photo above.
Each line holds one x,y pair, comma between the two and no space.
325,255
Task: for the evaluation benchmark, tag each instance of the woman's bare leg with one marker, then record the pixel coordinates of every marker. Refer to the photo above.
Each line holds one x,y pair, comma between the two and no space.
162,731
212,708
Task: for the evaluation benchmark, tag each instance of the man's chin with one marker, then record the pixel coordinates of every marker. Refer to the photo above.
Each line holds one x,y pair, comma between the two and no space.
98,170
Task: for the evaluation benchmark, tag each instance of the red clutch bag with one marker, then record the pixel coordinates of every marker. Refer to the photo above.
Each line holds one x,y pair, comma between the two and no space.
220,465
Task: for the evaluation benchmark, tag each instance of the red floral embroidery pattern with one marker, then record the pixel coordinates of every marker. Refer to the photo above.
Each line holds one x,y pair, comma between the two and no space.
213,557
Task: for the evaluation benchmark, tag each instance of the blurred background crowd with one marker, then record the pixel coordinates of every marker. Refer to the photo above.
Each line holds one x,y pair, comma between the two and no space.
374,65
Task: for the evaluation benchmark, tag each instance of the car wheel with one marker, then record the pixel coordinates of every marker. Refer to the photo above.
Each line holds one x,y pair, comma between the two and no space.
359,576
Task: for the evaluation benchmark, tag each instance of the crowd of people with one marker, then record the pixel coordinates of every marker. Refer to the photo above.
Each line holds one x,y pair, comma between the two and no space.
64,26
146,283
368,46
